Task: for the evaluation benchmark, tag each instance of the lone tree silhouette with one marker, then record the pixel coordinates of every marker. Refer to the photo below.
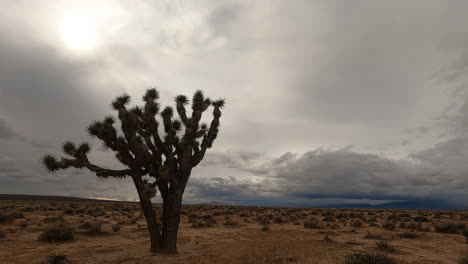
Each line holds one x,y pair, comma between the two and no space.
153,162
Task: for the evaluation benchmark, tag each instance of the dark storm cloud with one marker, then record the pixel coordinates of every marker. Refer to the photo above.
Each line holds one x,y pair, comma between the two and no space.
439,172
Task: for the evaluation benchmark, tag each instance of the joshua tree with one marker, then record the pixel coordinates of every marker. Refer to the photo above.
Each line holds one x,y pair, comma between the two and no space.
152,161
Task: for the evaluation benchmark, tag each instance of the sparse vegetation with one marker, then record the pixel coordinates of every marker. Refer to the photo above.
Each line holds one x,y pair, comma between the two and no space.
277,256
56,259
389,225
58,232
409,235
368,258
242,222
92,228
230,222
7,217
356,224
463,259
311,223
449,227
68,211
116,227
382,244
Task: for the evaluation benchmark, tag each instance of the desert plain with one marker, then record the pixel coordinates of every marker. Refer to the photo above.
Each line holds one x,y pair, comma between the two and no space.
115,233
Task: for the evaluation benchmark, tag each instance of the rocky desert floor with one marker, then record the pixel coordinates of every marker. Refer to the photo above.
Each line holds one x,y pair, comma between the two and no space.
115,233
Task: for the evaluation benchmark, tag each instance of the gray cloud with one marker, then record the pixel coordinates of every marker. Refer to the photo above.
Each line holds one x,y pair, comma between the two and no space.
6,133
436,173
386,79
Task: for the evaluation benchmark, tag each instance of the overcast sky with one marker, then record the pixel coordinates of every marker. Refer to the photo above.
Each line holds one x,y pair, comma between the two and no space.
327,101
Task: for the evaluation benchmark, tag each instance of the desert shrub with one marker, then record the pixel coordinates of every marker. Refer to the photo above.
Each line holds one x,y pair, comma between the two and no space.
193,217
356,224
449,227
420,218
231,222
411,225
408,235
209,220
311,223
263,220
23,224
68,211
329,218
5,218
2,234
341,215
58,232
265,228
198,223
277,256
279,220
90,211
393,217
92,228
389,225
56,259
116,227
368,258
369,235
205,221
53,219
463,259
382,244
465,234
353,215
27,209
16,214
243,215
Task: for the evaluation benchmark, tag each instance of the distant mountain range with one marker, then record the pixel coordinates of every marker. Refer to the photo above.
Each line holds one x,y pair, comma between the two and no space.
23,197
415,205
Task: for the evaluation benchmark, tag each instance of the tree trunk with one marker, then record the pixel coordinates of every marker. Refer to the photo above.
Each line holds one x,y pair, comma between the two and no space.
172,206
154,228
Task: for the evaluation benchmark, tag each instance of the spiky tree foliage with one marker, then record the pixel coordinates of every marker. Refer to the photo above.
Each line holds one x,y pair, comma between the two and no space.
152,161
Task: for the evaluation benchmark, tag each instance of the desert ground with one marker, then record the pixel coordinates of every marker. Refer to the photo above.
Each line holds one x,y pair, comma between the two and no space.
115,233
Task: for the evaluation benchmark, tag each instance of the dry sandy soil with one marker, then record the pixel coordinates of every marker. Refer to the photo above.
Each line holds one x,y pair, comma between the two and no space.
334,234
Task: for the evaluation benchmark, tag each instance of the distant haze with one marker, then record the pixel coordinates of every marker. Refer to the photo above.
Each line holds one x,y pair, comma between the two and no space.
328,102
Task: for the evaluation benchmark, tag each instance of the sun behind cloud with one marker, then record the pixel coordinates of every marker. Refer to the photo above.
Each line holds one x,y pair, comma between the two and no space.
78,31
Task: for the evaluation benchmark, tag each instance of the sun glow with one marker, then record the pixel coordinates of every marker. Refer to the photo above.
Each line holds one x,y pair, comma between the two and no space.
78,31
